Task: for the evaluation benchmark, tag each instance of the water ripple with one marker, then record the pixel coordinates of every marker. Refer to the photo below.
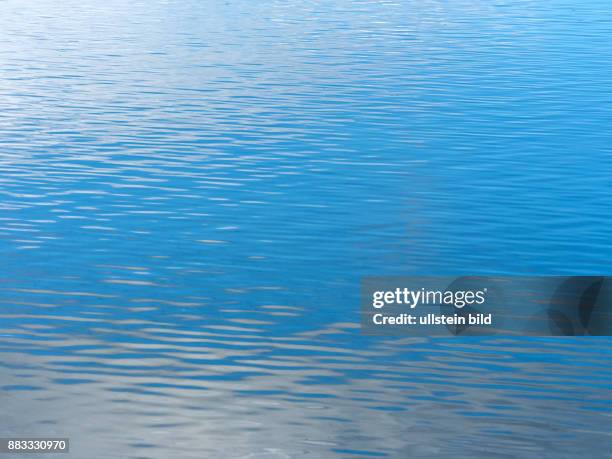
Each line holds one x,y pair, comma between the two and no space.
191,191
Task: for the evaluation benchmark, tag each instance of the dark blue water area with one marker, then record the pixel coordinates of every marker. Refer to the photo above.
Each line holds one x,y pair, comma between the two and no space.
192,191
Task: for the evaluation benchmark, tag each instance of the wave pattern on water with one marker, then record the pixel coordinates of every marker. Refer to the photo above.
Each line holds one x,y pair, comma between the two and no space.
190,192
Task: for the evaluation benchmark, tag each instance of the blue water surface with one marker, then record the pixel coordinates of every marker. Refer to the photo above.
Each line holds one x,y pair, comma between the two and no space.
192,190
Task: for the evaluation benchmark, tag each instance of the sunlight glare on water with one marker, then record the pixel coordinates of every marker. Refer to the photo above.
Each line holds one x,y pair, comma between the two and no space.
191,192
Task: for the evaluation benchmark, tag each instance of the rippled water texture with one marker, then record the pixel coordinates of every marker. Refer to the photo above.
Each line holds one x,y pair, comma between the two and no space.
191,191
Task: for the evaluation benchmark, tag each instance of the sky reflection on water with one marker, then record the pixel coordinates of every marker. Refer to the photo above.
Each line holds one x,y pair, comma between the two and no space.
191,192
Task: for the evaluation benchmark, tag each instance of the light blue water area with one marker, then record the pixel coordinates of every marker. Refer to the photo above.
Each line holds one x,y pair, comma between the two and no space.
192,190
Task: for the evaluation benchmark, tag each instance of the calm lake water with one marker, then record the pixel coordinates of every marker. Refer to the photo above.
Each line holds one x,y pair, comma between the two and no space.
192,190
